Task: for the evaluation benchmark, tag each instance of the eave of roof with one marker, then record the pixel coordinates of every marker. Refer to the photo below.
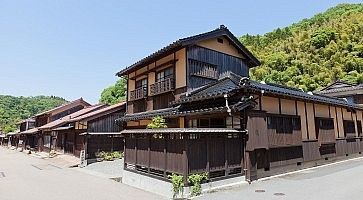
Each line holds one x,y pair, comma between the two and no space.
180,130
101,133
99,113
181,43
351,90
63,105
30,131
66,119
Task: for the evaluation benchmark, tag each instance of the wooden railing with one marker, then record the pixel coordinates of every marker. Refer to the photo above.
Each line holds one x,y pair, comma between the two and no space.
139,93
162,86
207,72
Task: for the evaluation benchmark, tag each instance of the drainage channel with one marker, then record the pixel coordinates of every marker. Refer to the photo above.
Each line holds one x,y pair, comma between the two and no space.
46,167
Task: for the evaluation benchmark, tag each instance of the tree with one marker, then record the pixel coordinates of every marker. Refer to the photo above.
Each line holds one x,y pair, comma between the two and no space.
314,52
157,122
115,93
14,109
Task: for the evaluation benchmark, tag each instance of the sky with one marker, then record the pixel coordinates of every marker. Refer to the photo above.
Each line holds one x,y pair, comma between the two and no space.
74,48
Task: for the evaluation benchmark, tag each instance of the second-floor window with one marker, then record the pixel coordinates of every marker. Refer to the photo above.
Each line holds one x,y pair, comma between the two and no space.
140,91
165,74
164,82
141,83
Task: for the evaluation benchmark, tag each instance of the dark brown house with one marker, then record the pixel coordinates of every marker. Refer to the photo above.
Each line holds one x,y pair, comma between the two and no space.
64,136
222,123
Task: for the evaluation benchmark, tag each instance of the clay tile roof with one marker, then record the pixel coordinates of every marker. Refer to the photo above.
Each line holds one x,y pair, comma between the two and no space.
341,86
63,105
226,84
100,112
297,93
68,118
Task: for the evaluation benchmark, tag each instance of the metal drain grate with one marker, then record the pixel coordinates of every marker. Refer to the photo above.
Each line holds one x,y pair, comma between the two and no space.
2,174
279,194
260,191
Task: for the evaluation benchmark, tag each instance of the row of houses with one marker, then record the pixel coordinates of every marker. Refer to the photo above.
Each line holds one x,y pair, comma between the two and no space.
219,121
72,128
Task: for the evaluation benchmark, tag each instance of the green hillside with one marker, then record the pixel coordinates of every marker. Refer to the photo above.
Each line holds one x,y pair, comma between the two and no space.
13,109
313,52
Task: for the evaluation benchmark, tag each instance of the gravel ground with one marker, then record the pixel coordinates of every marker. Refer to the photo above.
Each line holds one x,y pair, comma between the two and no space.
111,169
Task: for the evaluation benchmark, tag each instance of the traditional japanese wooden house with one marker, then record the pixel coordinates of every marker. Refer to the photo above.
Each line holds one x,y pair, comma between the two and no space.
63,135
27,141
34,135
222,123
3,139
13,139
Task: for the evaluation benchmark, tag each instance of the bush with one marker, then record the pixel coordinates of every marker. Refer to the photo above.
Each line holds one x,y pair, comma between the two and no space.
178,184
109,156
117,155
195,180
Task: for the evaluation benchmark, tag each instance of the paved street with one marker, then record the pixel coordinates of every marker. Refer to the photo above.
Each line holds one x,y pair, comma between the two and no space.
27,177
338,181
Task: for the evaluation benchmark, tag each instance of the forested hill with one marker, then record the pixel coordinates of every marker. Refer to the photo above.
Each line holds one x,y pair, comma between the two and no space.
313,52
13,109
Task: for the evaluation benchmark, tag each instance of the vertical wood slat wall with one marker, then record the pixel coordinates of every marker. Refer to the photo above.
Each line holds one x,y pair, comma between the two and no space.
220,156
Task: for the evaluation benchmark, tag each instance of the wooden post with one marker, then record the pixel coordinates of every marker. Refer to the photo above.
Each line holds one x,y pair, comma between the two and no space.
165,154
185,159
74,142
135,151
86,146
111,143
208,164
225,156
149,154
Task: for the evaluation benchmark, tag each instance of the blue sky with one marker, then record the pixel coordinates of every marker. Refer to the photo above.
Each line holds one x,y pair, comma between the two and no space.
74,48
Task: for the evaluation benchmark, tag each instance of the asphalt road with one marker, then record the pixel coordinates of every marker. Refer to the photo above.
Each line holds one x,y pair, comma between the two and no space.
26,177
334,182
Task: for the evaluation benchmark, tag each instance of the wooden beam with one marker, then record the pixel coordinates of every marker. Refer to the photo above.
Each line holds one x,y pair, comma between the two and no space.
259,102
341,112
225,157
185,159
165,154
149,154
306,121
208,164
336,120
316,133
